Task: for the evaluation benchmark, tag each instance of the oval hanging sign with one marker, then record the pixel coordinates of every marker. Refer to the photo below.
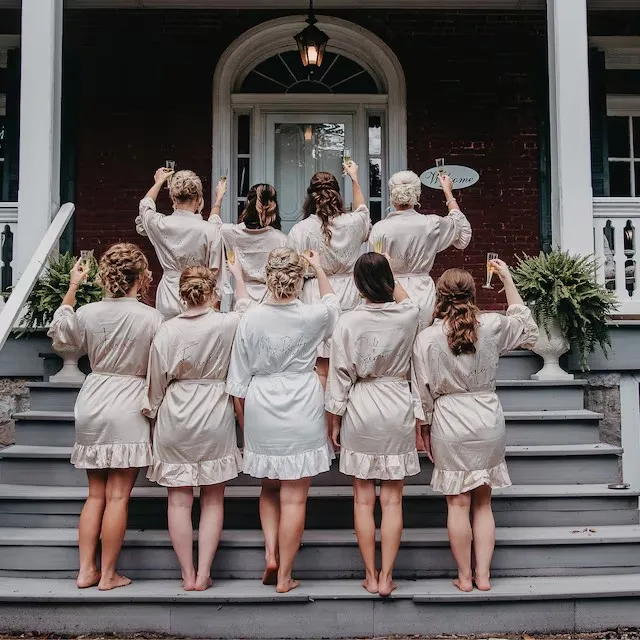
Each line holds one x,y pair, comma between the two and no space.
462,177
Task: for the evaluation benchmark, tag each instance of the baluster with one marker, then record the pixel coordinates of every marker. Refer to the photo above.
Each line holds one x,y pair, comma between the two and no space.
598,243
619,257
629,262
6,273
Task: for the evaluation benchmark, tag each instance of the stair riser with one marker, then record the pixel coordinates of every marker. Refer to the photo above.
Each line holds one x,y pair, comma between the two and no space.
523,433
337,513
588,469
519,367
332,561
512,398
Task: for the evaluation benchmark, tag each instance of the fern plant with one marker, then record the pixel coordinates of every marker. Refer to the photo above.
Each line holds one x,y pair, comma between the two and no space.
51,288
561,287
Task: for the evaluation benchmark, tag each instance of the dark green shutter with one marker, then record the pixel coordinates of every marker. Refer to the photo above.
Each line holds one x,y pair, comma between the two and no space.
544,153
598,107
68,143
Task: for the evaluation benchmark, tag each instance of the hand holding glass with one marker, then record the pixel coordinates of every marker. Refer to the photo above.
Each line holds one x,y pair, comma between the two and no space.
231,256
378,246
85,256
490,257
171,166
440,165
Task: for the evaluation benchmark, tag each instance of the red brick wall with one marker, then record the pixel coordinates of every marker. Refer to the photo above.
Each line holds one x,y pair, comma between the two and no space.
143,83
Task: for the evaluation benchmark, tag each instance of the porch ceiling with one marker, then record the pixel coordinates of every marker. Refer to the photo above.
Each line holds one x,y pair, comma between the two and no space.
594,5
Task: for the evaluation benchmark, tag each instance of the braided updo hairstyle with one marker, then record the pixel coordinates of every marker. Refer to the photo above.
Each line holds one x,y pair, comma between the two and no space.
324,200
456,305
261,209
120,267
197,286
185,187
404,189
285,269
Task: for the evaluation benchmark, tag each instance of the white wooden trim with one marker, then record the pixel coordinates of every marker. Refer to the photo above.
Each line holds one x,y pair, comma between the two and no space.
8,213
276,36
320,101
616,207
621,52
623,105
629,429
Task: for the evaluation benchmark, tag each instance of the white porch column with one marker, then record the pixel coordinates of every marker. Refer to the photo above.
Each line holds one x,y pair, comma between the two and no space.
40,107
571,193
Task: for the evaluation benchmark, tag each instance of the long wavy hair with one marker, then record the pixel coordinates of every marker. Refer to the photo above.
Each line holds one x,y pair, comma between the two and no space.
324,200
262,208
456,305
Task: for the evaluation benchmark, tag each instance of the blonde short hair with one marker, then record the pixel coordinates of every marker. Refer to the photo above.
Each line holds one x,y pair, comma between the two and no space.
185,186
285,269
405,188
197,286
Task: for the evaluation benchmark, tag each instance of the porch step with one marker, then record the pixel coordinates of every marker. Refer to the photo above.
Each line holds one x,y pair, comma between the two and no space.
333,554
56,428
540,464
323,608
332,507
515,395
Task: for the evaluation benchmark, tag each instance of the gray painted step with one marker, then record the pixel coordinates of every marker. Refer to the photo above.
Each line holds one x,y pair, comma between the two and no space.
518,365
323,608
56,428
332,507
542,464
515,395
333,554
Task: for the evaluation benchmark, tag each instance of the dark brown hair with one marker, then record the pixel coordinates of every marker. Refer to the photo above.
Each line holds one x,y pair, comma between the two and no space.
456,305
374,278
262,208
197,285
324,200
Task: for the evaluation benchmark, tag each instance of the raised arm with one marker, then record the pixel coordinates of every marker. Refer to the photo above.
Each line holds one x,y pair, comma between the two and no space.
454,229
235,268
221,189
323,281
159,178
351,169
147,209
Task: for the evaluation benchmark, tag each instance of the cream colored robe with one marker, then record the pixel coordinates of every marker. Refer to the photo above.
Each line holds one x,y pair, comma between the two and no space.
116,334
252,248
348,232
457,397
194,440
368,386
413,241
182,239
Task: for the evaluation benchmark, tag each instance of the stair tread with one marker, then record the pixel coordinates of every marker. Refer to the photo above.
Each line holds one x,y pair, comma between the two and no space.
519,536
37,492
36,451
426,590
575,414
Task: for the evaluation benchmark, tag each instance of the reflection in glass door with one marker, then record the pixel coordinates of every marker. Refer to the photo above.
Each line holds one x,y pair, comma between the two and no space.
298,146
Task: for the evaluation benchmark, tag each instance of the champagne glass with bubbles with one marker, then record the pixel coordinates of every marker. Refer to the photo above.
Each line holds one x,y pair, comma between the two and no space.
490,256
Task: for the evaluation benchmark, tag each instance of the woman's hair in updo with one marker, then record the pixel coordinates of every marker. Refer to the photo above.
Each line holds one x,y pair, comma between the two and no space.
285,269
185,186
197,286
405,188
120,267
324,200
456,305
261,209
374,278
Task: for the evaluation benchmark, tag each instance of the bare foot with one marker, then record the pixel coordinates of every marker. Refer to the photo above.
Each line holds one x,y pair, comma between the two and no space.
113,582
203,583
88,579
386,586
189,581
370,583
287,585
483,584
270,575
463,584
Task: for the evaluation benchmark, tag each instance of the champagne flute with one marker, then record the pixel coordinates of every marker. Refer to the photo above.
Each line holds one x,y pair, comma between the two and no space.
224,177
231,256
85,256
171,165
346,156
440,165
378,245
490,257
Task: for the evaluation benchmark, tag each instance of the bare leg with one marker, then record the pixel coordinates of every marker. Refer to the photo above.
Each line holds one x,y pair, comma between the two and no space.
293,507
459,528
364,502
390,531
270,521
484,535
114,524
179,508
89,528
211,519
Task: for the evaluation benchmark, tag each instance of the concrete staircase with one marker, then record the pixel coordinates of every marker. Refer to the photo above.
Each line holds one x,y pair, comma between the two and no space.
567,555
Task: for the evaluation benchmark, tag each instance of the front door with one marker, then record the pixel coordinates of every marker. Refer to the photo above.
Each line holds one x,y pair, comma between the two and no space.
299,145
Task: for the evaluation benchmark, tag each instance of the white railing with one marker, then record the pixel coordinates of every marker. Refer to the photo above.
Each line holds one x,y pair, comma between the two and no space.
616,230
12,309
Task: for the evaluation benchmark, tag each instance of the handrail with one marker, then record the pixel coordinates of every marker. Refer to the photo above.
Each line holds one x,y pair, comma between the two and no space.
13,307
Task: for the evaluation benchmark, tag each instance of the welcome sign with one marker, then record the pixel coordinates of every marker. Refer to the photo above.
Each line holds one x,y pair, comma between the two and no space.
462,177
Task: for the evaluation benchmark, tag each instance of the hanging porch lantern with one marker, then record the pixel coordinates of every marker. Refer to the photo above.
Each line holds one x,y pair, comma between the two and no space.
311,41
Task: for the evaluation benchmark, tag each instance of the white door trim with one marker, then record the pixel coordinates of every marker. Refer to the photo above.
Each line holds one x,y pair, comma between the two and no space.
276,36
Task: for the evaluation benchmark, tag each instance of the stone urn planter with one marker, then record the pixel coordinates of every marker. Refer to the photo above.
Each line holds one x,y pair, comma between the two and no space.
551,345
70,371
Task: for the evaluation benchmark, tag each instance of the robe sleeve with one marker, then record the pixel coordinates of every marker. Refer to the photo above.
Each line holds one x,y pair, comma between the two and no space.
239,376
157,379
331,313
342,374
420,390
148,217
363,218
517,329
454,230
66,332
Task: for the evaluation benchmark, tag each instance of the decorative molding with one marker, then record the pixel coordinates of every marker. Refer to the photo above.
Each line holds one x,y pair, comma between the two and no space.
623,105
8,213
616,207
621,52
